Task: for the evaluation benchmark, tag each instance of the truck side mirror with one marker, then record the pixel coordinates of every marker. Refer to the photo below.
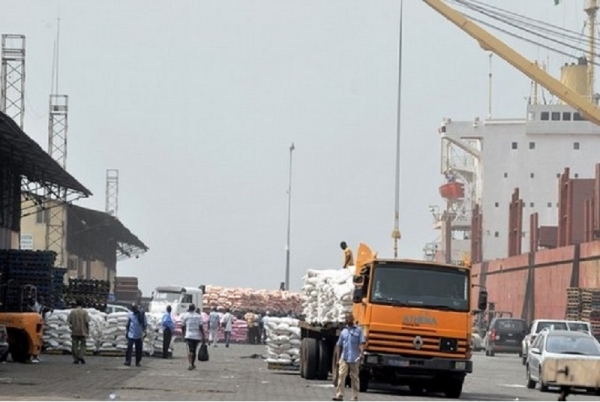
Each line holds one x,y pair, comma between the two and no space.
357,279
358,294
482,300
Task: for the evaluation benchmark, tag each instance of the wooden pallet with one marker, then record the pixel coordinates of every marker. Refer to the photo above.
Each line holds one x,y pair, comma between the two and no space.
282,367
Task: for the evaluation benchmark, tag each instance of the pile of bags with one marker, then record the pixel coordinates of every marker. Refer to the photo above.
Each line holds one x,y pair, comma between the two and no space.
114,336
328,295
244,299
154,335
57,334
283,341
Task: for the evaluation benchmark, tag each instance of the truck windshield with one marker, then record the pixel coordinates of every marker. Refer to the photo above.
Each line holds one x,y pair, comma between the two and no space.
169,297
422,286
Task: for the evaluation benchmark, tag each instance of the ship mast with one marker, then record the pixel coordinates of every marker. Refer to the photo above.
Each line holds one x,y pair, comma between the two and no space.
591,10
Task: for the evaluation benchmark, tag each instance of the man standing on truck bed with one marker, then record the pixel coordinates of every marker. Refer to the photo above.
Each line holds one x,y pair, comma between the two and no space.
349,349
348,258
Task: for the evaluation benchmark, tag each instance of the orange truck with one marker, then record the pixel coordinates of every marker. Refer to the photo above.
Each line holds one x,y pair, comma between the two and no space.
416,316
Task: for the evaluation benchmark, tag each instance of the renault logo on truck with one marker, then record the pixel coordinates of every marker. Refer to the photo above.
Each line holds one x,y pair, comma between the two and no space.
416,320
418,342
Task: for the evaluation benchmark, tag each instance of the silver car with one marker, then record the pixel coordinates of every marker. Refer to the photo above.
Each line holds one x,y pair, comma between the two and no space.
557,344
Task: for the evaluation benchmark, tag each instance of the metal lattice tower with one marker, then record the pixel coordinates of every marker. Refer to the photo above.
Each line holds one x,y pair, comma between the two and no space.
12,87
57,148
112,192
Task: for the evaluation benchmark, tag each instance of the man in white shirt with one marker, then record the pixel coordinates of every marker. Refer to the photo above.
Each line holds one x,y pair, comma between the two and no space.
227,324
193,333
214,319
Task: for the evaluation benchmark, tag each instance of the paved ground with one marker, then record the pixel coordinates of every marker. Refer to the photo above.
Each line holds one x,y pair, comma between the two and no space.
229,375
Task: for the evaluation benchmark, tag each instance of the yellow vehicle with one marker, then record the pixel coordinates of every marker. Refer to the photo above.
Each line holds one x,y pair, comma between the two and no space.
417,319
24,327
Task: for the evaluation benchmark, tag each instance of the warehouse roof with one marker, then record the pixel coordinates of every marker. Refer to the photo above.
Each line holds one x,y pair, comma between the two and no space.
101,226
28,159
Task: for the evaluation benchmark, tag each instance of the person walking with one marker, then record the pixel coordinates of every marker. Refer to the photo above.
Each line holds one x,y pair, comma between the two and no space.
193,333
136,330
214,320
348,258
79,322
227,324
349,349
168,326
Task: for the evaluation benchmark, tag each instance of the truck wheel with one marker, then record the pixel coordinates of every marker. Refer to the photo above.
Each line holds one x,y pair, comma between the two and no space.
302,358
363,380
19,348
453,388
324,360
312,359
416,388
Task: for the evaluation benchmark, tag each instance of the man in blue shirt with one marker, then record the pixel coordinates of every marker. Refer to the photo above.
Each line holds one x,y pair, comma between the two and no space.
136,330
350,348
168,326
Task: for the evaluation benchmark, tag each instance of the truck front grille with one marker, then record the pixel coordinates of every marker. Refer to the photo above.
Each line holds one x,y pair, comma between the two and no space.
406,344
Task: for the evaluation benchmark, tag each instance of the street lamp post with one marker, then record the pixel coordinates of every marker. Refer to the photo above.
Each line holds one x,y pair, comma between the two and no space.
289,220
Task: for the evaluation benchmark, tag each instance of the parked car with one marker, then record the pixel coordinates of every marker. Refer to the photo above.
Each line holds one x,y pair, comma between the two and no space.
505,336
3,343
538,325
115,308
558,344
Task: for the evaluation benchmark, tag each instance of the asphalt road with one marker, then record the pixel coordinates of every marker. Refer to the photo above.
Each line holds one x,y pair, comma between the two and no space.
231,374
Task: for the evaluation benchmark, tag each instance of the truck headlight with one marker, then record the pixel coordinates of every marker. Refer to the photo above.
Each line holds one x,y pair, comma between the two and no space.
460,365
372,359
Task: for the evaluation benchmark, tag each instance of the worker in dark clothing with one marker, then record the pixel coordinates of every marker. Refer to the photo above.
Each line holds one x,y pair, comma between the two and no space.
348,258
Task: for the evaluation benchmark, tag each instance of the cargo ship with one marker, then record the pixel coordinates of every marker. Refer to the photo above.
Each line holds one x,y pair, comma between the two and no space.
522,200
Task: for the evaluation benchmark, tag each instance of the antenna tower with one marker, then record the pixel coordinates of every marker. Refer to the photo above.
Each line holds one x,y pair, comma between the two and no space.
112,192
57,149
12,87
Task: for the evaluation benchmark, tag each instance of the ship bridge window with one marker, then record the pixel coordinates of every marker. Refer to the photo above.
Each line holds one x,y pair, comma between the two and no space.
532,145
575,145
497,204
531,205
505,174
576,175
496,234
578,117
566,116
545,116
555,116
514,145
549,205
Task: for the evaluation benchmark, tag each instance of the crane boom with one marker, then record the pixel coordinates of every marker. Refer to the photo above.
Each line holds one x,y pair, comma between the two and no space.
490,43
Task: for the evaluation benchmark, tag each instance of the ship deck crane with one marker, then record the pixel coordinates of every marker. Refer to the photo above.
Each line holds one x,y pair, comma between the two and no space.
490,43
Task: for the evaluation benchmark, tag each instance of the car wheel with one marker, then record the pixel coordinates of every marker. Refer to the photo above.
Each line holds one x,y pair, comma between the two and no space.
530,382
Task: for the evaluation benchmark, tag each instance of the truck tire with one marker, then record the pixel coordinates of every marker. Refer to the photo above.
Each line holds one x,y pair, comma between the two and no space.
311,363
324,360
302,357
453,388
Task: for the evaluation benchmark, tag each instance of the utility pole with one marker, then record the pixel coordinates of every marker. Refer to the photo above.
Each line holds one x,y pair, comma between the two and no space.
396,232
289,221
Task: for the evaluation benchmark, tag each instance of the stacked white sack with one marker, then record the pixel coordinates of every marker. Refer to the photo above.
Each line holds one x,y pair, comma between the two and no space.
283,340
328,295
57,333
114,334
154,338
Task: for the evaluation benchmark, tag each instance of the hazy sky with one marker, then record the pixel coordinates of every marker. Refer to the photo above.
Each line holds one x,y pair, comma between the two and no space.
197,102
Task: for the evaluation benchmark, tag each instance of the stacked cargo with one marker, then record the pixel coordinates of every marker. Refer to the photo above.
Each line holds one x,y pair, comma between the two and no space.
127,290
574,304
257,300
91,292
26,267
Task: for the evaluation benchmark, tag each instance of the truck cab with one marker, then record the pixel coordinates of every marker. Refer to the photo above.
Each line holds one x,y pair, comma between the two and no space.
178,297
417,319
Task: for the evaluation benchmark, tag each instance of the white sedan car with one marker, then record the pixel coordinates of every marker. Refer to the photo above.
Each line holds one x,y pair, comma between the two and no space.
557,344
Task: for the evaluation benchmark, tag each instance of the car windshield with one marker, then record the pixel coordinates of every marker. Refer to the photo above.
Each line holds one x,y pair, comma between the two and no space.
578,345
552,325
425,286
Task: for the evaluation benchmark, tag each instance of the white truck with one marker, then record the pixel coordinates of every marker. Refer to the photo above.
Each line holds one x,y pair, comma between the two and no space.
178,297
